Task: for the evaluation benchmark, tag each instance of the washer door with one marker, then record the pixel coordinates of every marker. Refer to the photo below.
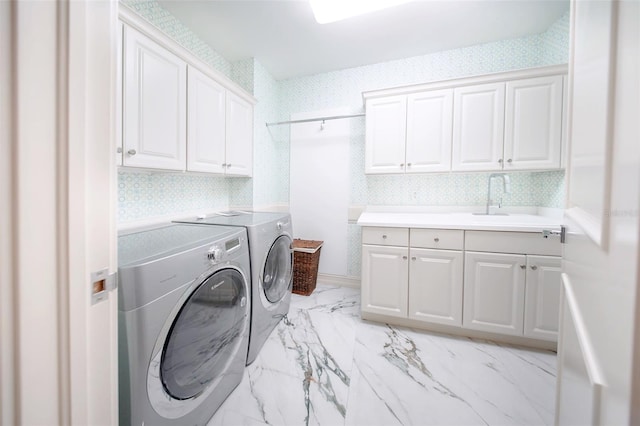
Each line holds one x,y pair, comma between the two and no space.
205,335
277,274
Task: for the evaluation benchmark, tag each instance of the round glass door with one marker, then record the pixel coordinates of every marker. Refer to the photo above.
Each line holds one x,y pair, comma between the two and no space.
205,335
277,272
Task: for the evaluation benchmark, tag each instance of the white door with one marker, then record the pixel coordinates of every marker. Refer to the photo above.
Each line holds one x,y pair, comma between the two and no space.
542,297
385,274
478,127
205,124
386,128
155,100
58,351
533,123
239,158
429,122
598,350
494,292
435,286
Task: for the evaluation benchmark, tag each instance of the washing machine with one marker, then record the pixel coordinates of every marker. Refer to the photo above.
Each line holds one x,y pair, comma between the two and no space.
271,253
184,318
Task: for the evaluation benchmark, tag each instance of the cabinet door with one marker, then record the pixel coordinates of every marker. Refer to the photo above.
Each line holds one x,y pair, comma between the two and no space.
533,123
478,127
155,99
429,123
494,292
542,306
205,124
385,273
435,286
239,159
386,122
120,38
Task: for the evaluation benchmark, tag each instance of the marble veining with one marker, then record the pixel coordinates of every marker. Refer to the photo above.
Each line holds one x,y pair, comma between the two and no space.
323,365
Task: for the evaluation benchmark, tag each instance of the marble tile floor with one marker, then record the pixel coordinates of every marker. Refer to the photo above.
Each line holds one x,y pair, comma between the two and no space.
325,366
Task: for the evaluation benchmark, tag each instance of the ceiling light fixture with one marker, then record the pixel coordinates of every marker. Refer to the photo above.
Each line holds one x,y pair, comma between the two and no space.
327,11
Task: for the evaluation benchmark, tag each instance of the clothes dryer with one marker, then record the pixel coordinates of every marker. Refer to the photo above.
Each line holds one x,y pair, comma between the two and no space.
271,253
184,317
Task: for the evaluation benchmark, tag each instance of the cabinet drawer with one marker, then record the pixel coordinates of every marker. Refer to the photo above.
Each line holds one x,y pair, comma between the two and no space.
385,236
447,239
512,242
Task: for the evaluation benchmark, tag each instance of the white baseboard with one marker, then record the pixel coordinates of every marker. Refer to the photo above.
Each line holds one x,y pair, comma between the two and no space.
339,280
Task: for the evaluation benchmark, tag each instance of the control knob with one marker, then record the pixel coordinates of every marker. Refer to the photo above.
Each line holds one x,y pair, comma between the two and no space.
214,254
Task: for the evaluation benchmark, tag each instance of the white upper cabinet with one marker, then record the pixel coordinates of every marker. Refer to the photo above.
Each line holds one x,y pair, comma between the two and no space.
508,121
478,128
409,134
205,124
533,123
120,35
154,119
386,122
239,141
429,123
178,113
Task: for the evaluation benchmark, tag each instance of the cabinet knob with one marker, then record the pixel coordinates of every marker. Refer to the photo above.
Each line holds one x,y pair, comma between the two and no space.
132,152
404,257
534,267
500,161
119,150
436,239
401,165
509,160
408,164
413,258
228,165
523,266
384,237
224,165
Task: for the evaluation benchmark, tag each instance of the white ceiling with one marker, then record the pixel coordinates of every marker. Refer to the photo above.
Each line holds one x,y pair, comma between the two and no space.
284,36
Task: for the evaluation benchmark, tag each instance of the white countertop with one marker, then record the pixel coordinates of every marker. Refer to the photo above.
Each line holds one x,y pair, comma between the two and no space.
467,221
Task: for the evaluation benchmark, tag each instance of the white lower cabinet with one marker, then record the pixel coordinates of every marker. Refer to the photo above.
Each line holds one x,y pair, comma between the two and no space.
494,289
459,278
404,281
512,294
385,271
542,297
435,286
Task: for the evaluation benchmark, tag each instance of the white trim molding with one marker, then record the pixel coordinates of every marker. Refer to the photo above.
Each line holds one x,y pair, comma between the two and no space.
339,280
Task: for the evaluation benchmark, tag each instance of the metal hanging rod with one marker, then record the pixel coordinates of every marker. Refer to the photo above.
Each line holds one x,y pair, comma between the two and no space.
308,120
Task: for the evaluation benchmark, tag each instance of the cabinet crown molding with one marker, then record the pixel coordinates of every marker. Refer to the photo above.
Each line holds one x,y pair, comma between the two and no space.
468,81
132,19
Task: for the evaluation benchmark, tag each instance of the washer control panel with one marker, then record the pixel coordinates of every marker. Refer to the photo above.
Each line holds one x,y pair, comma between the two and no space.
221,251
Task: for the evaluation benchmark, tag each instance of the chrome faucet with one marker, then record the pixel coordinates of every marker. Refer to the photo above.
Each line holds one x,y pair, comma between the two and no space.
506,185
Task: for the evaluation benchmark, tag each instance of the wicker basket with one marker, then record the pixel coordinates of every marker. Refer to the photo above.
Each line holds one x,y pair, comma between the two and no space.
306,257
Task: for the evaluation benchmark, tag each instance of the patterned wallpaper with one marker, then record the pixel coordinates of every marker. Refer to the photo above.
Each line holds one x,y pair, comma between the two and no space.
155,194
555,42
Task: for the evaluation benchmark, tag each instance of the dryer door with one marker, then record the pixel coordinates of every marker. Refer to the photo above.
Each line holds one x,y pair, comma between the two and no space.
205,335
277,274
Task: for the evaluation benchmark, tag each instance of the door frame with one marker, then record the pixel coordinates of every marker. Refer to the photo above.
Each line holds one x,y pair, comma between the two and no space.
58,351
